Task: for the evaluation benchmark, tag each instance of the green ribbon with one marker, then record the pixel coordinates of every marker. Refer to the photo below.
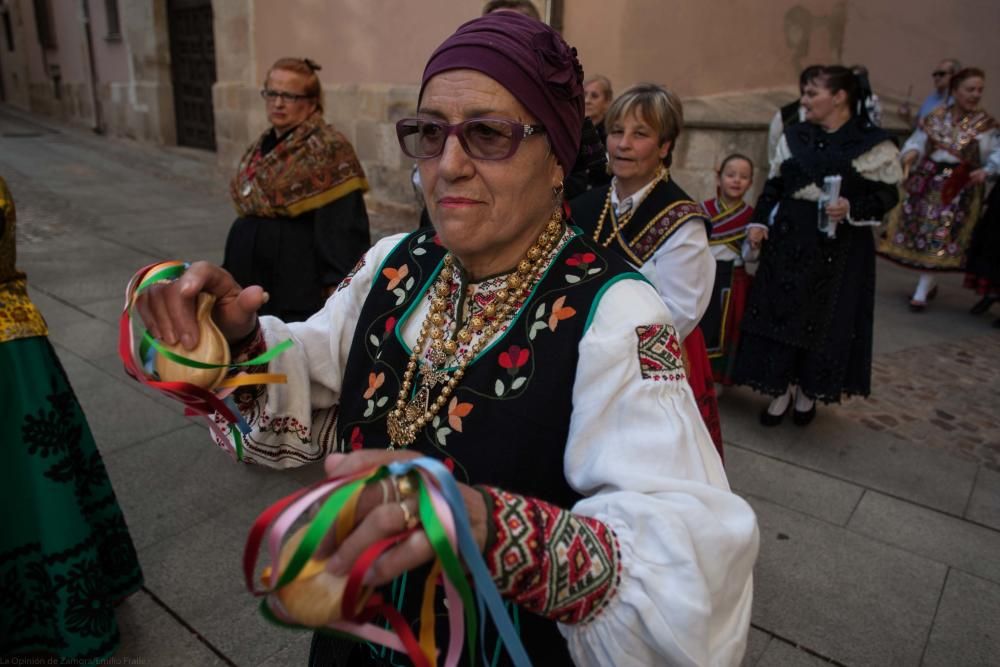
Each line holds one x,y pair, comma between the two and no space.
238,441
169,273
149,342
436,534
450,565
318,528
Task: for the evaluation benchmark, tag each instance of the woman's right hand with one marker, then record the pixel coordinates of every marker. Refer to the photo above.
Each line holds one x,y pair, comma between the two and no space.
168,309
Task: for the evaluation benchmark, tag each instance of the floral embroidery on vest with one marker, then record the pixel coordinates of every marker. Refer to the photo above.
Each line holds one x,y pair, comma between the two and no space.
505,369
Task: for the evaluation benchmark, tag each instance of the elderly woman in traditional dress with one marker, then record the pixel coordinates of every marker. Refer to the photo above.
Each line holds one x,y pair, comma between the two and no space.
544,371
298,190
950,156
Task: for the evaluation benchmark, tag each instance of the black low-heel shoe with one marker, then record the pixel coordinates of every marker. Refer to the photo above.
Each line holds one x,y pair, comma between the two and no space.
803,418
767,419
983,305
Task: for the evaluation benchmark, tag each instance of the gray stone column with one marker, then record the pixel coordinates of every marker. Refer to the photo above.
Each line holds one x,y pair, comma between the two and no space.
149,99
239,114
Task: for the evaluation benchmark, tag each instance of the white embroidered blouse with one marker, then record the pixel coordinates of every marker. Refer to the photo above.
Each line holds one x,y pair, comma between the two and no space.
637,450
682,269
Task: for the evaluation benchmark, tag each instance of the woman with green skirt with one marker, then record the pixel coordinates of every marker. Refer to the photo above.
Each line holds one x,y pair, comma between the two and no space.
66,557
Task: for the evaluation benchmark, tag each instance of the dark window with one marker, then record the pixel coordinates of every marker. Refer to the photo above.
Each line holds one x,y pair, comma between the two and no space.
8,31
114,23
43,21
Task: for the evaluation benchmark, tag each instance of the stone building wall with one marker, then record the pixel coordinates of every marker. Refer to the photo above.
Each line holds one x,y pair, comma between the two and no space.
733,64
132,69
140,104
14,61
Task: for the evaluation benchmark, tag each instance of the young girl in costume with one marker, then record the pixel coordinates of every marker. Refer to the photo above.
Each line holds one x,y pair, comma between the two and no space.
729,216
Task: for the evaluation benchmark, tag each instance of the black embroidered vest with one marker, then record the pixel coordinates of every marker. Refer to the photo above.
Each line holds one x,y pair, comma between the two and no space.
519,388
663,211
508,422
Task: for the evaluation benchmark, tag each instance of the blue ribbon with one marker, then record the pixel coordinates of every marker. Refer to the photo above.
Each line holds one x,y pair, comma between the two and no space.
241,422
486,590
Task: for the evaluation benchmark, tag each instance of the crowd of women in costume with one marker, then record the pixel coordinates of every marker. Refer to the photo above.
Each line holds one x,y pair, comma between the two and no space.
556,338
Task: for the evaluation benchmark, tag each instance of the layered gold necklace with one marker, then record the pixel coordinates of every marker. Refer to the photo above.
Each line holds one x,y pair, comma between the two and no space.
620,222
412,414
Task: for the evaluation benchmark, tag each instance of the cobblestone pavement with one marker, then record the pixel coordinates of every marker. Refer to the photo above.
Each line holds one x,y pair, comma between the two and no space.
944,396
879,523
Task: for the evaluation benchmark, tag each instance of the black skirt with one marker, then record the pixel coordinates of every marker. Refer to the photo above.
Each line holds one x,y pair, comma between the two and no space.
297,259
984,251
810,312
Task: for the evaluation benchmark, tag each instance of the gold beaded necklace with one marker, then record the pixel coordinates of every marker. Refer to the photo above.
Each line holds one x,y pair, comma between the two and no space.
619,223
407,419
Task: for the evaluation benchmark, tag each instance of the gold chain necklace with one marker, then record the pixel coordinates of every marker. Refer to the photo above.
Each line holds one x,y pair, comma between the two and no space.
407,419
619,223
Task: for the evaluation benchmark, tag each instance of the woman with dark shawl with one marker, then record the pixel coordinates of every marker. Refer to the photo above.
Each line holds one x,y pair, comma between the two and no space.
298,191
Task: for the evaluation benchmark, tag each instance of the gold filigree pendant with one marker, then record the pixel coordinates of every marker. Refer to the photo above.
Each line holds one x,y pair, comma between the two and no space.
400,432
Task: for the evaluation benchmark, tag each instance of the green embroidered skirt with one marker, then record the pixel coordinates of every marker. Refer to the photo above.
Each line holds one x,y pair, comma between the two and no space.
66,558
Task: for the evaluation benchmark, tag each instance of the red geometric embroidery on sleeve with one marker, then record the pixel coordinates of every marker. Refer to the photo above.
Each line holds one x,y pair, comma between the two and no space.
350,276
550,561
660,354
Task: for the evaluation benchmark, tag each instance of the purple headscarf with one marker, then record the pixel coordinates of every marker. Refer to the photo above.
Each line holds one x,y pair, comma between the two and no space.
530,60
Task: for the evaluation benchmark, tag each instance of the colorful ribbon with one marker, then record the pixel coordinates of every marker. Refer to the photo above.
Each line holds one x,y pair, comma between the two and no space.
212,405
444,520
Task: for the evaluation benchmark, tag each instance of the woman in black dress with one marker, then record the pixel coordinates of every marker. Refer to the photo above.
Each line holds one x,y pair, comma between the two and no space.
807,330
983,270
298,191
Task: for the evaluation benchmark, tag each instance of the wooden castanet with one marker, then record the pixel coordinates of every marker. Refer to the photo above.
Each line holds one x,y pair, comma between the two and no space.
313,598
212,348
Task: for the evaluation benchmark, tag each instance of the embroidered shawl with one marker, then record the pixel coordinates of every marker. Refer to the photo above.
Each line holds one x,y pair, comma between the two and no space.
957,137
729,226
308,169
18,316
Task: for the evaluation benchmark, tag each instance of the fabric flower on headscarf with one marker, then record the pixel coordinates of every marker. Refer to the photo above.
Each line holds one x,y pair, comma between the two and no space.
558,65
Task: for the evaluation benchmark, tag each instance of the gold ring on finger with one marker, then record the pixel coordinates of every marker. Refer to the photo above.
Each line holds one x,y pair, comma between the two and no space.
409,519
405,486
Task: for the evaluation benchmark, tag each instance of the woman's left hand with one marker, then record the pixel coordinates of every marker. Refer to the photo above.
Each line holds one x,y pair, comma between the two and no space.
978,177
376,520
838,209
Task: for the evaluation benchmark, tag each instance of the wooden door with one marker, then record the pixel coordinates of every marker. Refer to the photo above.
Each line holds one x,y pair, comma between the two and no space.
192,64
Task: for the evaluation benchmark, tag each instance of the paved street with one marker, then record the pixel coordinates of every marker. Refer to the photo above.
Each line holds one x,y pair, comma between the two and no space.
880,523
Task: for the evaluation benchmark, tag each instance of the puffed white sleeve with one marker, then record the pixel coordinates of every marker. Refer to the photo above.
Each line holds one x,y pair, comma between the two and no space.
774,130
683,272
989,149
916,143
291,423
639,451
